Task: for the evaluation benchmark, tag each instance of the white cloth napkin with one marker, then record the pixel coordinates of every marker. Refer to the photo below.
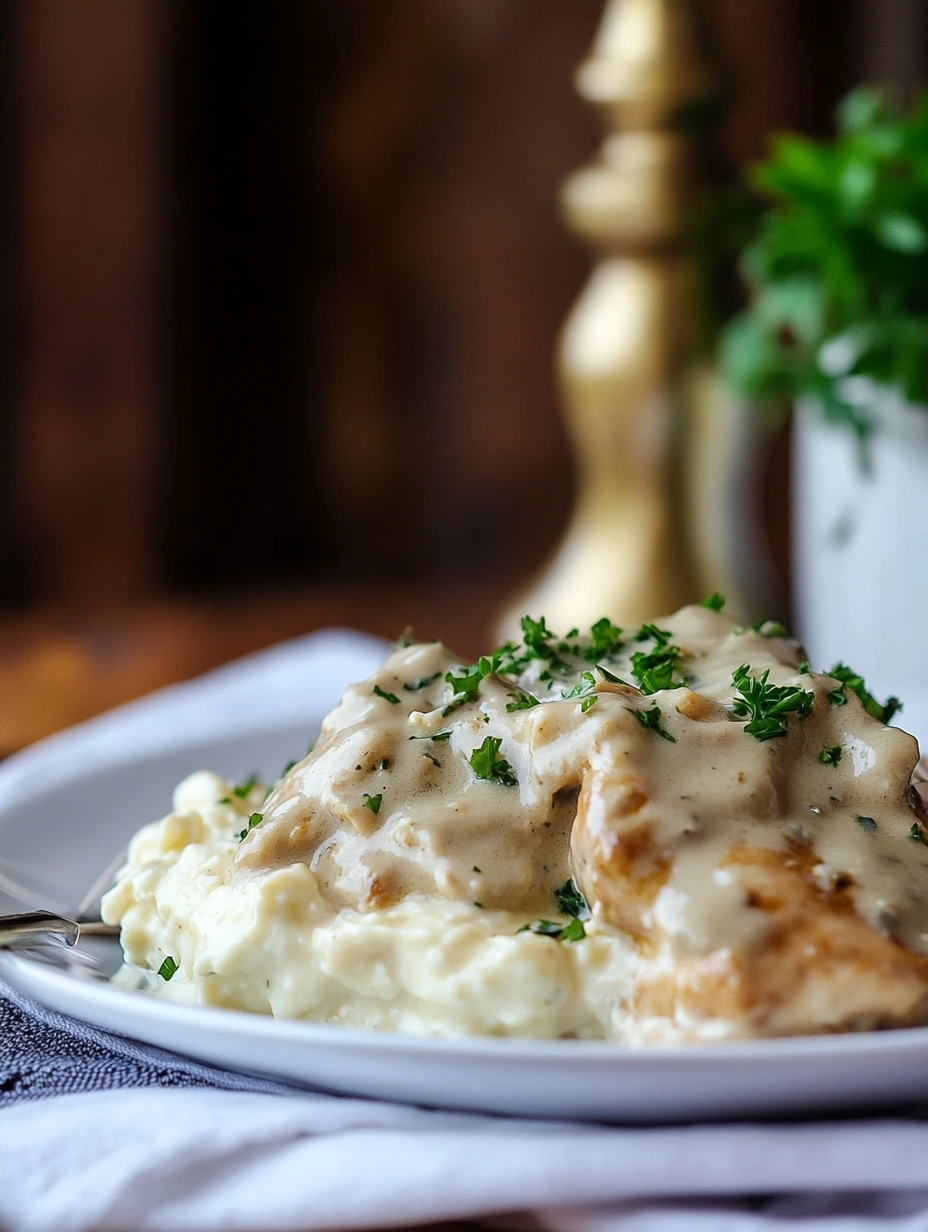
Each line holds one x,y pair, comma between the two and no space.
195,1160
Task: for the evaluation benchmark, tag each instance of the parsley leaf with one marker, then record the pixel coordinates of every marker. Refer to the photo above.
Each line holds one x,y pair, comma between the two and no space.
714,602
803,668
574,931
441,735
254,820
524,701
373,802
571,902
769,628
660,637
606,640
466,688
916,834
168,968
487,764
245,789
651,719
288,767
423,683
830,756
387,697
433,759
855,681
767,705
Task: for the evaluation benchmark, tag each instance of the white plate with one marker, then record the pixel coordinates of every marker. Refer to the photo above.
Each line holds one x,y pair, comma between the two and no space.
69,832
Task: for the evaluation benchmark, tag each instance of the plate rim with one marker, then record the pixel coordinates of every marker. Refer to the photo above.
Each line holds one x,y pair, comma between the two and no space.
233,1022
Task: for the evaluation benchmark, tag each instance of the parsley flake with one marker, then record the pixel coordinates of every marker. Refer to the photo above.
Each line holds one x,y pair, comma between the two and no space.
433,759
168,968
830,756
571,902
606,640
387,697
916,834
853,680
254,820
767,705
373,802
574,931
465,688
288,767
803,668
422,683
651,719
769,628
487,764
442,735
243,790
523,701
714,602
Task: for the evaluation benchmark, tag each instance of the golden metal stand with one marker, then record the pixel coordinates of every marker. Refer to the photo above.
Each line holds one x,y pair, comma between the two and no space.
629,337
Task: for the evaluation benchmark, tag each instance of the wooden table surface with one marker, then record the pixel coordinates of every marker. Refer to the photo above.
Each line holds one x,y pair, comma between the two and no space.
58,667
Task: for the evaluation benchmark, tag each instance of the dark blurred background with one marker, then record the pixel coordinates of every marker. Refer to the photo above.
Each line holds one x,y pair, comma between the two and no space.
282,285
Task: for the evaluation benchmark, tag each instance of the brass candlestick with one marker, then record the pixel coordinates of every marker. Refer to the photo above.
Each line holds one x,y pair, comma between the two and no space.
629,337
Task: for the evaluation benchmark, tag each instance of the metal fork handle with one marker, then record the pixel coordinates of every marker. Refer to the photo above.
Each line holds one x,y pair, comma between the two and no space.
36,927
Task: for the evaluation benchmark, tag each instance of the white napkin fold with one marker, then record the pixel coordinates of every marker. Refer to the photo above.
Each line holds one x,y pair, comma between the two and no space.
195,1160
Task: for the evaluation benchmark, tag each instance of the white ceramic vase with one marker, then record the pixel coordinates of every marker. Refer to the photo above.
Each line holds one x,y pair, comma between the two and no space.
859,539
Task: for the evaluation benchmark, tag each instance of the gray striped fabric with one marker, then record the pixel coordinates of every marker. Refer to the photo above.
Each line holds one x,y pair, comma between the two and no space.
44,1053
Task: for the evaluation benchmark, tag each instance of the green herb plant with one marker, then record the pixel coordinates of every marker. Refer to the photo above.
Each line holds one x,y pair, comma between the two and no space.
838,267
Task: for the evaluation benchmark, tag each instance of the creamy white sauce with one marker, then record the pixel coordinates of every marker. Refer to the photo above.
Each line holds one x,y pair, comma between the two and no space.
387,882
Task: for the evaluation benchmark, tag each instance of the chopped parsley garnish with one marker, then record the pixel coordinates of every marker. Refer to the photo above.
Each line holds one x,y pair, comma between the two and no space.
245,789
571,902
442,735
433,759
254,820
769,628
654,670
422,683
475,869
803,668
767,705
487,764
916,835
387,697
714,602
830,756
466,688
573,931
649,630
851,679
288,767
651,719
523,701
588,703
476,904
373,802
606,640
866,823
168,968
583,688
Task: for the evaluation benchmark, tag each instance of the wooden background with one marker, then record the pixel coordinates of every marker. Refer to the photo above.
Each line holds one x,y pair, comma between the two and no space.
282,287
